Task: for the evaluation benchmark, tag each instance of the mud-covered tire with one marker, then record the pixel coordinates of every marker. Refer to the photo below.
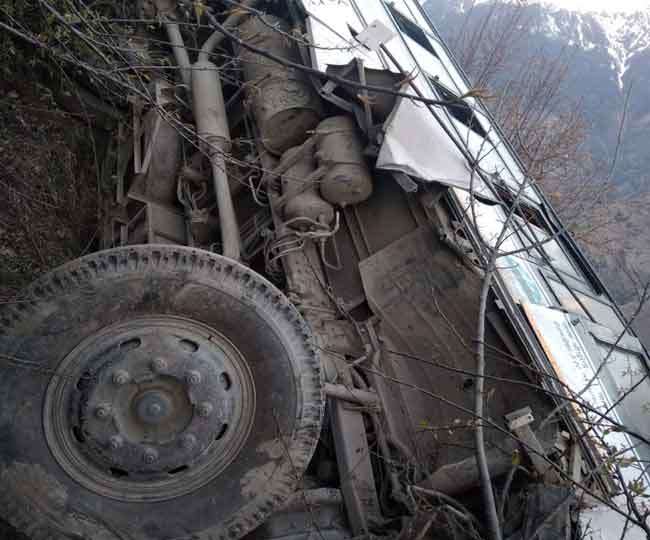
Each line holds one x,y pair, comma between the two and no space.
71,304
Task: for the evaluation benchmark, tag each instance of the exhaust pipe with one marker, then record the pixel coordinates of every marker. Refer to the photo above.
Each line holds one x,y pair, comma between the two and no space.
214,135
211,120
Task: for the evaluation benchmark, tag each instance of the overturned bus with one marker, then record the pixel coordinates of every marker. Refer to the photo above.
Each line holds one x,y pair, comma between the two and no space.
328,302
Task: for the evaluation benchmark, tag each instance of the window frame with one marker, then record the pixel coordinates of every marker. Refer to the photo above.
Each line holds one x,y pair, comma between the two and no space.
410,29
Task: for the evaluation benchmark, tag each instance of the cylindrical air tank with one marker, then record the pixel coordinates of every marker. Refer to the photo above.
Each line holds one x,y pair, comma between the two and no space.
284,102
348,180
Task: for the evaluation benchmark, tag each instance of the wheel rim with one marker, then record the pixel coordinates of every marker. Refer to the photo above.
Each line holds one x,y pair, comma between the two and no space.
149,409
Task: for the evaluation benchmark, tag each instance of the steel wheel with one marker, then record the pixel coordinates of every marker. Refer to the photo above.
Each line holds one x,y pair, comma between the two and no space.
153,392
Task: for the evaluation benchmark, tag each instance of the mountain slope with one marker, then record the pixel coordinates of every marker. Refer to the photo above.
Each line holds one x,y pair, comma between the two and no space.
607,61
607,55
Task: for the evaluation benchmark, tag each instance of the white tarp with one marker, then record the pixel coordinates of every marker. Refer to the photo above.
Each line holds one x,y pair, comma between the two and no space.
415,144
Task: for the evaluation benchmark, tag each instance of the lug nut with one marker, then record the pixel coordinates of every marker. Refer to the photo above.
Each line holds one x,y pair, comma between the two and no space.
193,377
115,442
149,456
204,409
103,411
187,441
159,364
121,377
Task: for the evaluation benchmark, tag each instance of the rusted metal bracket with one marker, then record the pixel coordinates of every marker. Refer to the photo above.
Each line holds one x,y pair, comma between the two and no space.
162,99
519,423
155,224
363,114
355,468
365,98
137,106
327,90
405,182
448,229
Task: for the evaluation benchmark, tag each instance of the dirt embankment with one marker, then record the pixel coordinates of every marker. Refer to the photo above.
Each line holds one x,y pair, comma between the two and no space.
49,184
49,206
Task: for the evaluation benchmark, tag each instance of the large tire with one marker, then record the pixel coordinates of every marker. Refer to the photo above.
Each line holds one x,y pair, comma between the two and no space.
59,349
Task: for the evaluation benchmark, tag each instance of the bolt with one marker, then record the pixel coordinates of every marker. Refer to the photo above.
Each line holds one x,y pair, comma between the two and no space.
149,456
193,377
187,441
154,409
121,377
204,409
115,442
159,364
103,411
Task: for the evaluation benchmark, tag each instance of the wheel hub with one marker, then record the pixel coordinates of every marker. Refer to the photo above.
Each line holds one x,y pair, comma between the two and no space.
149,409
154,407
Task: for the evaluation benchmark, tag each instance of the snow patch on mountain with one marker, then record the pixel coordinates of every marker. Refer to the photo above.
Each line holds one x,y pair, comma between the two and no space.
627,35
622,34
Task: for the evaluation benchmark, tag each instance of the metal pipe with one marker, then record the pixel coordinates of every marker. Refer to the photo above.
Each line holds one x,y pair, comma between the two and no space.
180,52
214,135
212,128
217,36
459,477
228,221
354,395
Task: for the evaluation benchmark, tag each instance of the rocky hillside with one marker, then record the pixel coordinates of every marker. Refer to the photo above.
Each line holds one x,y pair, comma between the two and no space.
48,174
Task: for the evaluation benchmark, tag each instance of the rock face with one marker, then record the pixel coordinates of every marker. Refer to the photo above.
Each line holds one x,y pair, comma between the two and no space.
608,55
